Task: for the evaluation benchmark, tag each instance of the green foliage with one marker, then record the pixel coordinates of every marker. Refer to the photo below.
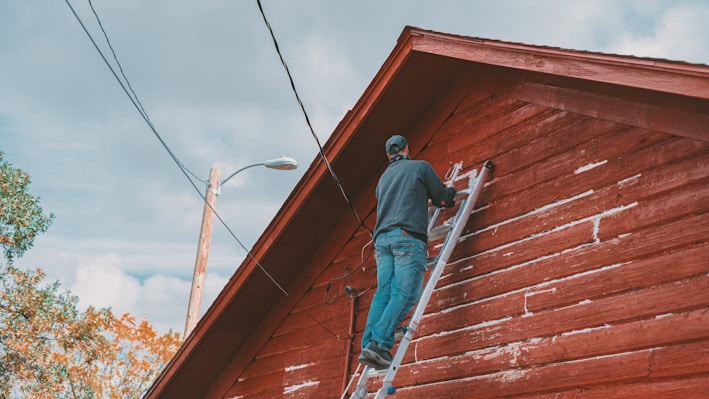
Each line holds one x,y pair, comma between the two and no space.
48,347
21,217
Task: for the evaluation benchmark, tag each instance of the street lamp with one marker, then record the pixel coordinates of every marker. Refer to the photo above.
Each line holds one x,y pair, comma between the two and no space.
205,233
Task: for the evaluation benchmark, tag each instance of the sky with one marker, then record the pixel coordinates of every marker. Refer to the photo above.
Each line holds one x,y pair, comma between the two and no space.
127,218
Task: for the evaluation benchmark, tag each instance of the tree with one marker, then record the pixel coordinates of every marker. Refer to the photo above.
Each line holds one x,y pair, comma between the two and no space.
21,217
48,347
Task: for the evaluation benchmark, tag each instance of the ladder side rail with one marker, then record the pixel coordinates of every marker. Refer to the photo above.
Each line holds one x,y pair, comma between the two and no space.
451,241
347,388
434,215
361,388
476,185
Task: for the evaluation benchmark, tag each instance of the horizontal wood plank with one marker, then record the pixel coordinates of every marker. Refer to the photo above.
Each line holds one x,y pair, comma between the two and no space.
668,298
668,330
685,388
625,368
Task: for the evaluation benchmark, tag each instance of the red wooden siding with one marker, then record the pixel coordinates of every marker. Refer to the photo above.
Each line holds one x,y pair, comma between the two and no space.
583,272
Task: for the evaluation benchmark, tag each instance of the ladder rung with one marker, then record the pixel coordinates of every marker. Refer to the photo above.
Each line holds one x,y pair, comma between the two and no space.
372,372
431,262
439,232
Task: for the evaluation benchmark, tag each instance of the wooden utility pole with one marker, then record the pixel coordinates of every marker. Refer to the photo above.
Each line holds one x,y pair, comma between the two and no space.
200,264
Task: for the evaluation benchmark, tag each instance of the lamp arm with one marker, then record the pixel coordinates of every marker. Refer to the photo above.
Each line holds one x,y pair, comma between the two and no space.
234,174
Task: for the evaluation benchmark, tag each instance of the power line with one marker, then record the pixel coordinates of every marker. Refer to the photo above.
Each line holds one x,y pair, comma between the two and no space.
139,107
307,120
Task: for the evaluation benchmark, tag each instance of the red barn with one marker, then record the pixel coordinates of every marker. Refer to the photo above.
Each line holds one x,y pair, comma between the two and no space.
583,271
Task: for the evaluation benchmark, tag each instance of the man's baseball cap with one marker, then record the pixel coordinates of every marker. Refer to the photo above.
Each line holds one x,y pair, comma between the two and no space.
395,144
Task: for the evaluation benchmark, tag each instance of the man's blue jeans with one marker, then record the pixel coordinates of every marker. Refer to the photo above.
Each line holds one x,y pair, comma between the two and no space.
401,264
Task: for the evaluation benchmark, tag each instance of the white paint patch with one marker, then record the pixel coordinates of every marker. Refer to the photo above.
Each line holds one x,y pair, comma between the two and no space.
528,294
585,330
514,351
297,387
620,209
664,316
596,229
512,376
589,167
298,367
535,211
629,180
597,219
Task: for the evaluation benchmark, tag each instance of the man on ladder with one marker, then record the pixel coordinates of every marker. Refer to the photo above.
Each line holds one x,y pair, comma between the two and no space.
401,246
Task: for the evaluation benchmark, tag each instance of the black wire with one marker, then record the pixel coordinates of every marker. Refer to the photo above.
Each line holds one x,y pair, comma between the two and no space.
307,120
144,115
134,96
346,275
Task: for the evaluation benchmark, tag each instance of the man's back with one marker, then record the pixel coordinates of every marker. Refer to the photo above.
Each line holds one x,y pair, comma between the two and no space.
402,196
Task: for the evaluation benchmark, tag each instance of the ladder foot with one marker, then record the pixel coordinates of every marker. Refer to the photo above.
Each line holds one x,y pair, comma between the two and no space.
391,390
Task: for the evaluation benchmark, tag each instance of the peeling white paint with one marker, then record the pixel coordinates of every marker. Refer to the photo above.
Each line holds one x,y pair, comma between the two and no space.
298,367
589,167
534,212
663,316
293,388
512,375
630,179
619,209
489,323
514,351
596,229
465,269
528,293
473,327
571,277
585,330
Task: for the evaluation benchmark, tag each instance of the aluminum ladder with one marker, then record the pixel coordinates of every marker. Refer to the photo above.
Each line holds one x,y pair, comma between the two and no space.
452,230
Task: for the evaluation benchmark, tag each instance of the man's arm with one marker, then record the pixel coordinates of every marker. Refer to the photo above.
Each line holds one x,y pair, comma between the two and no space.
441,196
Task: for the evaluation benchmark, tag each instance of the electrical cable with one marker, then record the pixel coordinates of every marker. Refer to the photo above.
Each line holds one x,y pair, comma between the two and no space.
307,120
324,158
144,115
347,275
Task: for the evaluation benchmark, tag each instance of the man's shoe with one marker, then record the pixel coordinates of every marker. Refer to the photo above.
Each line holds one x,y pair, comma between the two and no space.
375,356
363,360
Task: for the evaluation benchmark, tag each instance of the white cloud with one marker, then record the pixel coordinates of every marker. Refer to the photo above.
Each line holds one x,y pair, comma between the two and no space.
127,220
101,282
161,299
680,35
